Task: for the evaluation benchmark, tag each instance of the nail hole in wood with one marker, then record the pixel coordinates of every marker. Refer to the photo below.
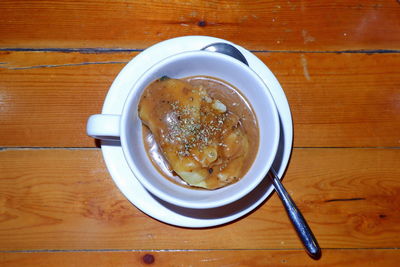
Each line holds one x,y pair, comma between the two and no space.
148,259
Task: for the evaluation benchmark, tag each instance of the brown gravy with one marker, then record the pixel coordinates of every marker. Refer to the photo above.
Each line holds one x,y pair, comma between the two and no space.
236,104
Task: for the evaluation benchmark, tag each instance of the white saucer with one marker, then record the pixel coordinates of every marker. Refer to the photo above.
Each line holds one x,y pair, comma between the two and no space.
130,186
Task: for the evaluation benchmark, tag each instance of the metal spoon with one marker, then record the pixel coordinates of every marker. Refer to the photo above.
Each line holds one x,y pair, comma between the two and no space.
303,230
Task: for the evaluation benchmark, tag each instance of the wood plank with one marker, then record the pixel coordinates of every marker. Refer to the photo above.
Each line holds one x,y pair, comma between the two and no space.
237,258
337,100
344,100
51,94
259,25
64,199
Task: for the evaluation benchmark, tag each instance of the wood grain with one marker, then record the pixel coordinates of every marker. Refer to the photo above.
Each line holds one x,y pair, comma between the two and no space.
64,199
338,62
51,95
237,258
260,25
337,100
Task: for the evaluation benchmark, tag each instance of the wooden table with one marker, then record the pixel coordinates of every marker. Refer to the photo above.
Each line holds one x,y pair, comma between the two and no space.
338,62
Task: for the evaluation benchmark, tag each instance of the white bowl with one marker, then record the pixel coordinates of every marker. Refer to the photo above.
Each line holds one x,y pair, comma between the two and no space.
206,64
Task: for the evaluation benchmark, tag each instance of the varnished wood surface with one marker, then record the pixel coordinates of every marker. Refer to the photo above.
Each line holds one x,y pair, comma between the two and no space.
237,258
338,63
337,100
64,199
259,25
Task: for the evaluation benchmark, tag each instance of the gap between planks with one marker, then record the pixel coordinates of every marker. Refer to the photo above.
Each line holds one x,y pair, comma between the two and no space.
179,250
99,148
124,50
47,148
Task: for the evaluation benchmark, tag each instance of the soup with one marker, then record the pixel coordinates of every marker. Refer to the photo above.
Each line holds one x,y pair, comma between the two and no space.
199,131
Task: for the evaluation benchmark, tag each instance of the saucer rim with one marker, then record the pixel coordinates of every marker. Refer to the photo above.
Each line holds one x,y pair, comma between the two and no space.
113,155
